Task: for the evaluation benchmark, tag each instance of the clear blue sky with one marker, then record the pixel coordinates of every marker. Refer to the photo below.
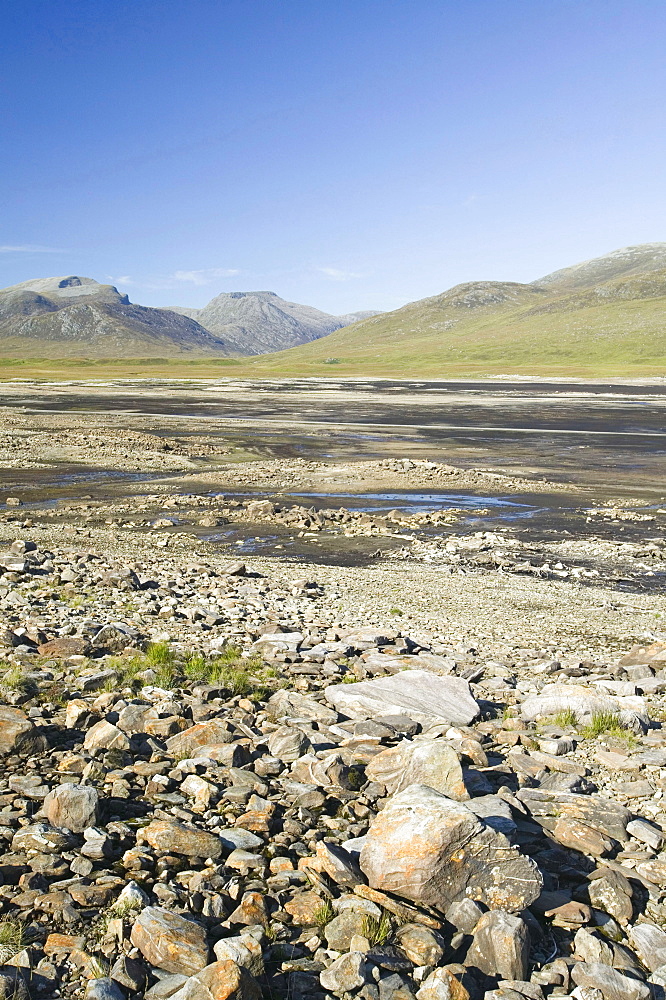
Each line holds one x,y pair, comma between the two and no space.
349,154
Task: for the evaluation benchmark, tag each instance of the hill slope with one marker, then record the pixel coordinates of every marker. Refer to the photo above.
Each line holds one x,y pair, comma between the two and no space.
77,317
605,314
259,322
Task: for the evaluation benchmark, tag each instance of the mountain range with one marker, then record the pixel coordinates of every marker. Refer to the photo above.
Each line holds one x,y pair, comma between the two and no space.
74,317
608,313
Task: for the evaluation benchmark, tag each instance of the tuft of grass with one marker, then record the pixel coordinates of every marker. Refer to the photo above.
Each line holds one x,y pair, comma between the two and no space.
159,654
607,724
349,679
12,936
377,931
324,914
15,680
565,717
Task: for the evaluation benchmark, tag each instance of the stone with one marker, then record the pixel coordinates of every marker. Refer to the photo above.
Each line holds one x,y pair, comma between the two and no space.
612,894
288,744
612,984
653,871
649,943
345,974
434,851
244,950
426,762
202,734
169,941
607,817
425,697
646,833
420,944
442,985
71,806
103,989
220,981
341,929
289,704
18,734
652,654
464,915
43,839
64,646
105,736
501,945
584,701
166,836
590,946
494,812
129,973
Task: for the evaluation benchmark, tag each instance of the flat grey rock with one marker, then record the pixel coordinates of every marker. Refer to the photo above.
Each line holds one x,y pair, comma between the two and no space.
423,696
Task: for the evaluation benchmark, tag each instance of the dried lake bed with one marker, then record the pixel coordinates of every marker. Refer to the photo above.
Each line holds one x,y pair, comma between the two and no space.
500,484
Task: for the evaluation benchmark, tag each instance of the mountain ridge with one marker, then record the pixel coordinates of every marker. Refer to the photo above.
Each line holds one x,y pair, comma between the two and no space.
261,322
608,310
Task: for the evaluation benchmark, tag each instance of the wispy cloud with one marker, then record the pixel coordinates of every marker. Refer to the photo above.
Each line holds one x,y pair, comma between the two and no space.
29,248
337,274
206,275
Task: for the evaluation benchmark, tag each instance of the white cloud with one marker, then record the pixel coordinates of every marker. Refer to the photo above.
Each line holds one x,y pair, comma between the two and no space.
336,274
29,248
206,275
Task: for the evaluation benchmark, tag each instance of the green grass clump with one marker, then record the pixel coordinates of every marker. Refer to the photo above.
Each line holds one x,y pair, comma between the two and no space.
566,717
229,669
607,724
377,931
15,680
12,936
324,914
159,654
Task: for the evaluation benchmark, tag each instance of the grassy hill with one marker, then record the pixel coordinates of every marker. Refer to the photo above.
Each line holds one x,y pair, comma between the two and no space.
603,316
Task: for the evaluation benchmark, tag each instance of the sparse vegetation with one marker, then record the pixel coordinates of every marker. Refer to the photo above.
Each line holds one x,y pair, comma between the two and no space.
607,724
12,937
324,914
377,930
566,717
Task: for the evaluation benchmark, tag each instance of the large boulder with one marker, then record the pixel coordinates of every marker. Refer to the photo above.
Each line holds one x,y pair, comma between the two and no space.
420,762
169,941
432,850
220,981
422,696
168,836
18,734
73,807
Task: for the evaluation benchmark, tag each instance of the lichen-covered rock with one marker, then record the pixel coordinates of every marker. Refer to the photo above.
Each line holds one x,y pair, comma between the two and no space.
167,836
18,734
432,850
220,981
419,762
169,941
501,945
73,807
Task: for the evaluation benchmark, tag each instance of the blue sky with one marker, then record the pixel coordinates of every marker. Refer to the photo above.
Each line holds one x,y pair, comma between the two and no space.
349,154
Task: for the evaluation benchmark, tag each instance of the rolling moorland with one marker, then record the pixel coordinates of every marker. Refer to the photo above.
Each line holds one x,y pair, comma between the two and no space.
603,317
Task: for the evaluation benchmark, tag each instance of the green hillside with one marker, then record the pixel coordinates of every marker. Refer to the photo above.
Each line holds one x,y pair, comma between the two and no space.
578,319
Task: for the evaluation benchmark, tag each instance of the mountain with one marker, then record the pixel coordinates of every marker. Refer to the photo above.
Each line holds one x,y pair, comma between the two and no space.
604,314
77,317
259,322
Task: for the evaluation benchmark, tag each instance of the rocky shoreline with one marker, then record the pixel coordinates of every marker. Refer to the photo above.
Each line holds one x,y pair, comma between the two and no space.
224,780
